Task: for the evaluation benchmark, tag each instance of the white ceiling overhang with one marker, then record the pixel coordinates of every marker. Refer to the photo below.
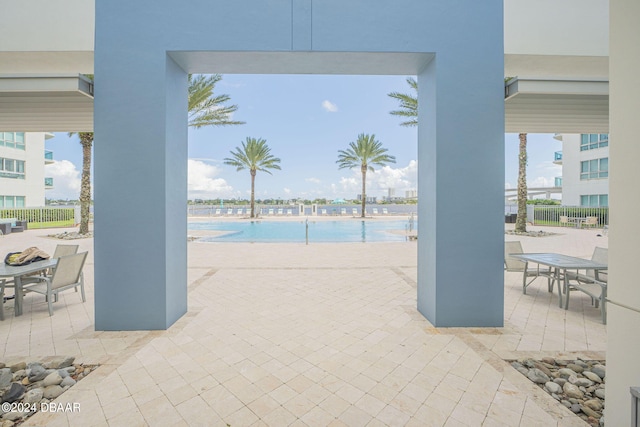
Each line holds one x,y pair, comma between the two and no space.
556,106
32,103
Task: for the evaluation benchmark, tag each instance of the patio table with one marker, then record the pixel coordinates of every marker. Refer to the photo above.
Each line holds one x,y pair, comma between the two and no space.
578,220
560,264
18,271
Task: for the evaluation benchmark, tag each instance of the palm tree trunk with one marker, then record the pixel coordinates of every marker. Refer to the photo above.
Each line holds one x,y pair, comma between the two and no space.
521,219
364,194
253,193
86,139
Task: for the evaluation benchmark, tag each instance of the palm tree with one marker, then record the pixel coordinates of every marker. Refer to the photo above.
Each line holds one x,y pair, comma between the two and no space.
205,109
408,104
365,153
521,219
254,155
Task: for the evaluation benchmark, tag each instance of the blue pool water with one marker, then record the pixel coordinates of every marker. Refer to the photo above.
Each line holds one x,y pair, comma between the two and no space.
294,231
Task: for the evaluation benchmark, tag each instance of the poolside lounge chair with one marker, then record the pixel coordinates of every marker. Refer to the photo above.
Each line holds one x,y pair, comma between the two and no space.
270,212
218,211
385,211
289,212
374,211
588,284
516,265
343,211
229,211
280,211
354,211
240,211
67,275
323,211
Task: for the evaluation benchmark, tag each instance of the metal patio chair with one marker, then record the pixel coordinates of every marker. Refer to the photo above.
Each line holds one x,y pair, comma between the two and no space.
516,265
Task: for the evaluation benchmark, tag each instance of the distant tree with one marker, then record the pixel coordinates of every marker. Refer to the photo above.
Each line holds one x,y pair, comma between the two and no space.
254,155
408,104
364,153
521,218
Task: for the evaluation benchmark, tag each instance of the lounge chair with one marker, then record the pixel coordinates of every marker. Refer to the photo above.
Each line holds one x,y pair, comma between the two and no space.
323,211
240,211
218,211
587,283
591,222
343,211
270,212
67,275
229,211
374,211
516,265
280,211
385,211
354,211
289,212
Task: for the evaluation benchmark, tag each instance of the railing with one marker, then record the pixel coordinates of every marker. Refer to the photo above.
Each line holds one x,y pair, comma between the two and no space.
557,182
557,156
48,182
48,155
201,210
551,215
42,217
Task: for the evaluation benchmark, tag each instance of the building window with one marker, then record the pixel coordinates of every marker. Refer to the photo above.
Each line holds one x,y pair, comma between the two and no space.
11,201
591,141
594,169
10,168
12,140
594,200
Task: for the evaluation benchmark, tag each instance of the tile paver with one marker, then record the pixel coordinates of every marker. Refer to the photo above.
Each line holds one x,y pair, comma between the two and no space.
314,335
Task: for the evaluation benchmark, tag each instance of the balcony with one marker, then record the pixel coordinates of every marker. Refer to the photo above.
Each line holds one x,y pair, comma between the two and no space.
48,183
48,157
558,182
557,157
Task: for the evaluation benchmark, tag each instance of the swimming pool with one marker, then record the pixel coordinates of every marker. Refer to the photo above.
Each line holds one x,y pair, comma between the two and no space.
294,231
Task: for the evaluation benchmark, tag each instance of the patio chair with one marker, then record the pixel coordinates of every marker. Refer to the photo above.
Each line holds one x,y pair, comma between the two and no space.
374,211
385,211
323,211
280,211
67,275
516,265
587,283
591,222
289,212
343,211
564,221
218,211
354,211
2,283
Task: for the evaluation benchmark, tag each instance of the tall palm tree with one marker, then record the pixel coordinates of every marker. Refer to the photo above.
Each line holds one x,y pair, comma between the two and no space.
408,104
521,218
364,153
205,109
254,155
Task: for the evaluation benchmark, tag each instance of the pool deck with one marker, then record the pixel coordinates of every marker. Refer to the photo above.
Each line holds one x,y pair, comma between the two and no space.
313,335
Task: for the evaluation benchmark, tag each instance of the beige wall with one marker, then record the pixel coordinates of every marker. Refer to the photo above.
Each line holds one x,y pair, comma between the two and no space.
572,186
32,187
623,340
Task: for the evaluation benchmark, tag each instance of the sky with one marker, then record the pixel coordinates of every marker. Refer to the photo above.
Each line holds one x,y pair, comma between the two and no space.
305,120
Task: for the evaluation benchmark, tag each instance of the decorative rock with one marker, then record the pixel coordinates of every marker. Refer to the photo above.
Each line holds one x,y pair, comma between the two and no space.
599,370
5,377
18,367
575,408
52,391
33,396
14,393
36,372
566,403
560,381
575,368
68,361
14,416
7,423
572,379
553,387
594,404
63,373
70,369
593,377
520,368
549,360
583,382
581,363
53,378
543,368
25,381
590,412
572,391
2,365
566,372
67,382
561,362
19,375
599,393
537,376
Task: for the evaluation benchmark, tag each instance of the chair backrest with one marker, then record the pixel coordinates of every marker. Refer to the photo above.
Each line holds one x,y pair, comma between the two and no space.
591,220
68,270
512,264
64,250
564,220
600,255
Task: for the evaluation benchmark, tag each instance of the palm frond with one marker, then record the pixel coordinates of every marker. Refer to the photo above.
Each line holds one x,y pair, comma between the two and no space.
408,104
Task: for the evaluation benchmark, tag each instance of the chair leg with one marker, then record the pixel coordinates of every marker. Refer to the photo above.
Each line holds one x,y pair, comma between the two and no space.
50,304
82,292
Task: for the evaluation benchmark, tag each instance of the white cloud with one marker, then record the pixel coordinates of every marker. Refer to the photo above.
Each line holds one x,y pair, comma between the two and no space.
541,181
203,184
400,179
287,191
329,106
313,180
66,180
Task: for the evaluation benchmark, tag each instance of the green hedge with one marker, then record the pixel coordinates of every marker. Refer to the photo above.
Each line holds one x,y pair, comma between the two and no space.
41,217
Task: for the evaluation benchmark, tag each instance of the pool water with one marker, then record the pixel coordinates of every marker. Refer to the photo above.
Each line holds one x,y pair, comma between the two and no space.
294,231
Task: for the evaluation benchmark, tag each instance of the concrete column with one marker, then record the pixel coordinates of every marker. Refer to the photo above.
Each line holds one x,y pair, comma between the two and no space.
623,323
461,180
140,188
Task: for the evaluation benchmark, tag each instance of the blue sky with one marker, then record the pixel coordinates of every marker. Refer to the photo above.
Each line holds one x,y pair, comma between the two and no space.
306,119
